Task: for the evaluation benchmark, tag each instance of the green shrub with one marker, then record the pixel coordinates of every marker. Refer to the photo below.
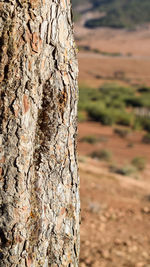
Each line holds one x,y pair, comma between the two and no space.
145,122
124,118
120,14
82,116
146,139
107,104
122,132
98,112
139,101
124,170
134,101
139,163
137,124
141,123
145,100
102,155
91,139
117,90
116,103
144,89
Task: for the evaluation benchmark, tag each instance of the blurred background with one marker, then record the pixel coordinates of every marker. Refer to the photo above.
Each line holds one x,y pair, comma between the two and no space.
113,39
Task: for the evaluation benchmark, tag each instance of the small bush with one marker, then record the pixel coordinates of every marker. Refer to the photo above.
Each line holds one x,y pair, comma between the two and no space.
108,105
82,159
144,89
145,123
98,112
134,101
103,139
139,163
116,103
146,139
137,125
124,118
125,170
102,155
139,101
91,139
122,132
82,116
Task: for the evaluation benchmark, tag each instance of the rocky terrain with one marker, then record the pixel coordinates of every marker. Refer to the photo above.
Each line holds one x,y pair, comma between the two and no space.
115,218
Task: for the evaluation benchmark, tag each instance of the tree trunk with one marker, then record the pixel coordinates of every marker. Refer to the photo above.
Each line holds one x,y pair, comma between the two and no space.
39,184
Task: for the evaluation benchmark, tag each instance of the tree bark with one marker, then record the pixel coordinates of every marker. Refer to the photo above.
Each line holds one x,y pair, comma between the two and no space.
39,184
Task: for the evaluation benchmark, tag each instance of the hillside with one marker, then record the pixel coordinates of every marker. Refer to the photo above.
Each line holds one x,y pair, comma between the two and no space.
118,14
76,3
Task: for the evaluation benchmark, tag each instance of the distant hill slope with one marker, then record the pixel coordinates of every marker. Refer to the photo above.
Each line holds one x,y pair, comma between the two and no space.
76,3
119,13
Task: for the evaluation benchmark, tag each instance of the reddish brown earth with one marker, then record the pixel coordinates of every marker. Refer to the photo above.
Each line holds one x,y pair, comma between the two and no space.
115,218
96,69
134,62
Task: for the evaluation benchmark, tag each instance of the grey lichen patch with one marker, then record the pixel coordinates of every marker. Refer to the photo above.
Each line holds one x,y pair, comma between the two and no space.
44,29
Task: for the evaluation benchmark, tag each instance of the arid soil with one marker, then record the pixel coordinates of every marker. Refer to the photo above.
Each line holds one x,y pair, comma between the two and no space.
115,218
131,67
132,71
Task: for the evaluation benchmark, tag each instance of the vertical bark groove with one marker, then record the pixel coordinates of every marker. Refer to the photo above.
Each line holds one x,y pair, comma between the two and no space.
39,184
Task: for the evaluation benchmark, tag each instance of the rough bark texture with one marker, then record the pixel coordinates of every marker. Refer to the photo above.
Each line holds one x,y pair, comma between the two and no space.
39,210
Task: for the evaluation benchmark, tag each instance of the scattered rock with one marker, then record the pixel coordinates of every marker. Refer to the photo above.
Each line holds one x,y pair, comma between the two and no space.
103,218
118,242
140,264
89,260
94,207
132,249
146,210
119,253
145,255
105,254
87,243
102,227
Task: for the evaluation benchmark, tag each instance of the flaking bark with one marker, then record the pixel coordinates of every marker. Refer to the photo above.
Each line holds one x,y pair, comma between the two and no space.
39,184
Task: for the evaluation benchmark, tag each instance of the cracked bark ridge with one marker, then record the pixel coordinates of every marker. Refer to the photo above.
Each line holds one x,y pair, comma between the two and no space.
39,184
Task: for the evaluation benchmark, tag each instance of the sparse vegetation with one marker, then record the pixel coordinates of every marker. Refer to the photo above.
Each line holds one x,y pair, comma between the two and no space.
122,132
139,101
139,163
91,139
136,165
97,51
126,170
146,138
113,104
120,14
102,154
130,145
82,116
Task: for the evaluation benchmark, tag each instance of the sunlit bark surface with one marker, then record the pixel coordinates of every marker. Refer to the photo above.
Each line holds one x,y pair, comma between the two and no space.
39,209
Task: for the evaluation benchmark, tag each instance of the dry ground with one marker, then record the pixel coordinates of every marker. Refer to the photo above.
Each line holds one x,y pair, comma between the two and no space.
134,64
128,70
115,209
